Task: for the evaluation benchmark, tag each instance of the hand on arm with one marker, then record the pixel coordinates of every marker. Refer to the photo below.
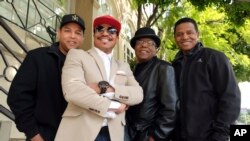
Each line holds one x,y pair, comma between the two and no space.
122,108
96,87
110,89
151,138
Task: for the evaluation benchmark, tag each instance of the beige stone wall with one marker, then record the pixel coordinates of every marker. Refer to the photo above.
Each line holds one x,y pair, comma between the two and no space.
84,8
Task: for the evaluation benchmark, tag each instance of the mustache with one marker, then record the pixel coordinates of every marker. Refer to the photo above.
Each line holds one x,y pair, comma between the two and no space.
100,38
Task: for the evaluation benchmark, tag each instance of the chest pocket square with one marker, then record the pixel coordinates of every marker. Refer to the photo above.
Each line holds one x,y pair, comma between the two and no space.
120,78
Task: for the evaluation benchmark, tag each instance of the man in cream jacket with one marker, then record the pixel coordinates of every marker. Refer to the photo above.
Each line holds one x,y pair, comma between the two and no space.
98,89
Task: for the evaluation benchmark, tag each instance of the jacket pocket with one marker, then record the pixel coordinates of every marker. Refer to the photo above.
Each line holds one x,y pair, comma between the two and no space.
72,112
120,79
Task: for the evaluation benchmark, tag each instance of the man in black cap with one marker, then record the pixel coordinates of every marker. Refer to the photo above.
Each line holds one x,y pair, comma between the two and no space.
35,95
154,118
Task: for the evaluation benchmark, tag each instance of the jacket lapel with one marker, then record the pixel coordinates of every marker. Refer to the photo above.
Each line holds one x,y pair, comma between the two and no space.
99,62
114,68
146,70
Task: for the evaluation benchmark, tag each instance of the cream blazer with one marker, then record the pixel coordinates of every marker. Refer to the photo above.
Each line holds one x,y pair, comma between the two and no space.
84,115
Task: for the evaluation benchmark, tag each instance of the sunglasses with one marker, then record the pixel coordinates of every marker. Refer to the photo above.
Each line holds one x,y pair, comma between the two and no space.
147,42
110,30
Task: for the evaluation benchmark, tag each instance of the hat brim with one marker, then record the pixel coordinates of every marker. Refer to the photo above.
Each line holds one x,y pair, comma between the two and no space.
83,28
107,20
154,37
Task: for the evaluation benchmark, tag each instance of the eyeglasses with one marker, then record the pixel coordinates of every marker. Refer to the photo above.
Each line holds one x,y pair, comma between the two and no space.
110,30
147,42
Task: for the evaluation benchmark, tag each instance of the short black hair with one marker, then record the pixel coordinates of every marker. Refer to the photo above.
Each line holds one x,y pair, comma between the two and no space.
186,20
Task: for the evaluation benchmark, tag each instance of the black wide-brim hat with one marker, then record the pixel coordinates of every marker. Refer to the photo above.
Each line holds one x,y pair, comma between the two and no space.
145,32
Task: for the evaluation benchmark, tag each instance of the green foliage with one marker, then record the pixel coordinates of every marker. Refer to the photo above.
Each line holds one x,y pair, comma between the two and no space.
216,27
61,2
132,63
244,117
226,37
237,11
242,45
151,10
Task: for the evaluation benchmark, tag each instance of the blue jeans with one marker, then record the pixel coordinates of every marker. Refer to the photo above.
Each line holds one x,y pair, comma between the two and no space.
103,135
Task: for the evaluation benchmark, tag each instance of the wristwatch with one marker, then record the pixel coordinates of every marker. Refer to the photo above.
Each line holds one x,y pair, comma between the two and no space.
103,85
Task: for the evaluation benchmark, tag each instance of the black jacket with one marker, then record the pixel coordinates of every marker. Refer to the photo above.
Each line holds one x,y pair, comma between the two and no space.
155,116
35,96
209,95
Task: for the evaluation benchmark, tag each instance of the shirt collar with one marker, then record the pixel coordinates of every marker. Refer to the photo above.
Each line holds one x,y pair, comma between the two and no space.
196,49
101,53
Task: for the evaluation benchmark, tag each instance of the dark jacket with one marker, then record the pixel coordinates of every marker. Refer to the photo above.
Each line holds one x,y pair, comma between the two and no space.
155,116
35,95
209,95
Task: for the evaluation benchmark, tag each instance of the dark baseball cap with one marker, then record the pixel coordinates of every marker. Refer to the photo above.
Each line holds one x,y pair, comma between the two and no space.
72,18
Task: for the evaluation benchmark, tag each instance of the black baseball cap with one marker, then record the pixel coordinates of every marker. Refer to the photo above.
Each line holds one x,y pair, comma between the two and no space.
69,18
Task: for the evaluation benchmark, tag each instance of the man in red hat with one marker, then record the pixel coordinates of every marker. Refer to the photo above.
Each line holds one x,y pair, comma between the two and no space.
98,88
